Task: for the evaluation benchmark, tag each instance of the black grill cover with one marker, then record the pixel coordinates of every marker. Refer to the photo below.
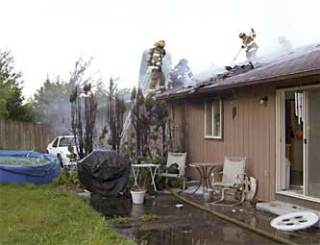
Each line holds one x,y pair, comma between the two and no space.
104,172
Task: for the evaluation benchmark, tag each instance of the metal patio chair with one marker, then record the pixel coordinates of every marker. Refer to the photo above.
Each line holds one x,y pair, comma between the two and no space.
234,180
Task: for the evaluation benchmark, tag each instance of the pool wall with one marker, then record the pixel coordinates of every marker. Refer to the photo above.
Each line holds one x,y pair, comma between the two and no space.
16,174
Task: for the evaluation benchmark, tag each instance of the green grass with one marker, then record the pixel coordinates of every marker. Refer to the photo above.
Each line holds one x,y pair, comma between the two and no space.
51,215
120,220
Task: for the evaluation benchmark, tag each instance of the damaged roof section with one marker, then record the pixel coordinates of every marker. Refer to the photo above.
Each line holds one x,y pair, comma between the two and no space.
300,62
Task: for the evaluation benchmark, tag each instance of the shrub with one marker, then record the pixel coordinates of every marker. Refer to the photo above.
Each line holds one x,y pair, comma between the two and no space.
68,178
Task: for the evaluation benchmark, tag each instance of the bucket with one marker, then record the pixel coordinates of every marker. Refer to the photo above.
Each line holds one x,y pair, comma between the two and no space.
138,197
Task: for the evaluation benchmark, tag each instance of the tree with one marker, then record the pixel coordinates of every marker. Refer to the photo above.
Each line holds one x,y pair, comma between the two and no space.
138,113
161,120
124,93
5,94
116,109
12,104
83,120
51,104
83,110
150,134
51,101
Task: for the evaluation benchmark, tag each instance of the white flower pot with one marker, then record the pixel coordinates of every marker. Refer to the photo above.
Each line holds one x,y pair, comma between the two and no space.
138,197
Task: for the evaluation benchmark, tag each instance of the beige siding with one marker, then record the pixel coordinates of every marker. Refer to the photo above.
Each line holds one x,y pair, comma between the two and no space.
251,134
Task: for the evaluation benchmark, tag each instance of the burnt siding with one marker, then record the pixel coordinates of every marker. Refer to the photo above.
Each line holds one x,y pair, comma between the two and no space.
251,134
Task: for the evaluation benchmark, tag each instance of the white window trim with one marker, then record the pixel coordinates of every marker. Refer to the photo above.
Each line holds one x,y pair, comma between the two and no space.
212,120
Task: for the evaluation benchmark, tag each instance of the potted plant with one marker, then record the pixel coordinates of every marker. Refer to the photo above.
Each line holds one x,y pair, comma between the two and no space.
139,189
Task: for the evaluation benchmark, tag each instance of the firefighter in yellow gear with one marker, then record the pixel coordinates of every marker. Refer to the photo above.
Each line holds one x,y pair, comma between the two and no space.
156,55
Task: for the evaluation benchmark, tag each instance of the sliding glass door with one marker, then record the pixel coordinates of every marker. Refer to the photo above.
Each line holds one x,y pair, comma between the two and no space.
298,128
312,142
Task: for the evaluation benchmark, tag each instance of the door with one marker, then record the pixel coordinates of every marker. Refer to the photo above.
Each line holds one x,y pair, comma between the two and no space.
312,143
298,148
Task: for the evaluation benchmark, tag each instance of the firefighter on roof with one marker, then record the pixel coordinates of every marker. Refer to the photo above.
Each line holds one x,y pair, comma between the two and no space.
154,68
249,44
156,55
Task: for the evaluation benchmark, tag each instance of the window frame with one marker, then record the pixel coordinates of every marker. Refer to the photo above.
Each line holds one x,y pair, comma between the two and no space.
206,103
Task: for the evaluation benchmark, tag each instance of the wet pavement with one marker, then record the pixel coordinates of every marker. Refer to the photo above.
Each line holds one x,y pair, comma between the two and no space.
249,215
173,226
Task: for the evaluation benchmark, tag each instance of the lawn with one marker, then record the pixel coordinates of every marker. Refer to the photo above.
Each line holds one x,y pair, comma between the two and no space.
51,215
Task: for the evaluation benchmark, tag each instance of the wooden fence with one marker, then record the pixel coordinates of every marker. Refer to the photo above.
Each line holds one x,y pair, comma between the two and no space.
24,136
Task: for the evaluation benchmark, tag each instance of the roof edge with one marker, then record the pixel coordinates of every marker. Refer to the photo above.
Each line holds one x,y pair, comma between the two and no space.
192,91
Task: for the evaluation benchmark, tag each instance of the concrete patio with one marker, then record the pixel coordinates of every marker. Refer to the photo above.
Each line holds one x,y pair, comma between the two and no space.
247,214
191,225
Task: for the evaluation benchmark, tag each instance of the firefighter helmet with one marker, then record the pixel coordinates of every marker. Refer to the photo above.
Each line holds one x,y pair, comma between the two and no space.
160,44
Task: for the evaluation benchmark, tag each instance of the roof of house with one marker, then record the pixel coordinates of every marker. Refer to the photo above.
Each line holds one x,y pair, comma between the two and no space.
297,63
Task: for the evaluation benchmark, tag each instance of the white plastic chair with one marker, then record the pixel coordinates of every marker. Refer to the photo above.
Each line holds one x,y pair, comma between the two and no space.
234,178
179,159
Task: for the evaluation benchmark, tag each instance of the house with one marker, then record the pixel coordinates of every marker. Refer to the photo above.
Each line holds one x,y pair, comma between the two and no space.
270,114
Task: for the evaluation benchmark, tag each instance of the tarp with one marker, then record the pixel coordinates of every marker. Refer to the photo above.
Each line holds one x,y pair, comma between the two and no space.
104,172
34,174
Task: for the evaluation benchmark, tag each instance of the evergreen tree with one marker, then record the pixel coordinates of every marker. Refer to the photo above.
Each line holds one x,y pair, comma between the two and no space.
51,103
12,104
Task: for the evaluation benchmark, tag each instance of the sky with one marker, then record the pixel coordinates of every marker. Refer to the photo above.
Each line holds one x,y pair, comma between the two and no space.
46,37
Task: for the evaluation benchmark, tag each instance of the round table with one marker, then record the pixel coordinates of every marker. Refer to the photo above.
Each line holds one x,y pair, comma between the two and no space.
205,169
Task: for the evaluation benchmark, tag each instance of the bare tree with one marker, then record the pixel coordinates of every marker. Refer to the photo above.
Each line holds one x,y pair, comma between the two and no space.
116,109
83,122
83,110
150,121
138,119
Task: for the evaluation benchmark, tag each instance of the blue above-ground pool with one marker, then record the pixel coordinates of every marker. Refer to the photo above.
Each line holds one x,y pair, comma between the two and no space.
27,167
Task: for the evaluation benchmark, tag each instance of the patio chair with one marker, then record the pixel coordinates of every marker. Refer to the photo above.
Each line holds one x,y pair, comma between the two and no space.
234,180
179,159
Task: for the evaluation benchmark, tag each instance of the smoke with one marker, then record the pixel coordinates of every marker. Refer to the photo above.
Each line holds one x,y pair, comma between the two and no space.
52,100
207,72
58,115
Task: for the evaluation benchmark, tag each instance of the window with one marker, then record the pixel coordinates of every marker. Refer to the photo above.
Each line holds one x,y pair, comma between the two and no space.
55,143
66,141
213,119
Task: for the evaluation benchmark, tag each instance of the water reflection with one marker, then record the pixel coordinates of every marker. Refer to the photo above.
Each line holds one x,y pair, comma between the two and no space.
184,226
111,206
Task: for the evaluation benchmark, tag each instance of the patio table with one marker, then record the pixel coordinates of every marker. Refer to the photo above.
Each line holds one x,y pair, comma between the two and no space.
153,168
205,170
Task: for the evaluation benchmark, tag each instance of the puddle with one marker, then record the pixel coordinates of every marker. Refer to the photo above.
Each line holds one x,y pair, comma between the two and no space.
111,207
173,226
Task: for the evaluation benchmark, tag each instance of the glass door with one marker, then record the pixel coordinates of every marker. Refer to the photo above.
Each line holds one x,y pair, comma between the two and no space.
298,150
292,166
312,142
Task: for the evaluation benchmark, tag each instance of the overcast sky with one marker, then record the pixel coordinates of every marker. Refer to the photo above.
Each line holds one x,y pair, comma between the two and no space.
48,36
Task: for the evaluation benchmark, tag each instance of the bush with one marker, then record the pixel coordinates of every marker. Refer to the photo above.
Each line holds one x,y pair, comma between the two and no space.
68,178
